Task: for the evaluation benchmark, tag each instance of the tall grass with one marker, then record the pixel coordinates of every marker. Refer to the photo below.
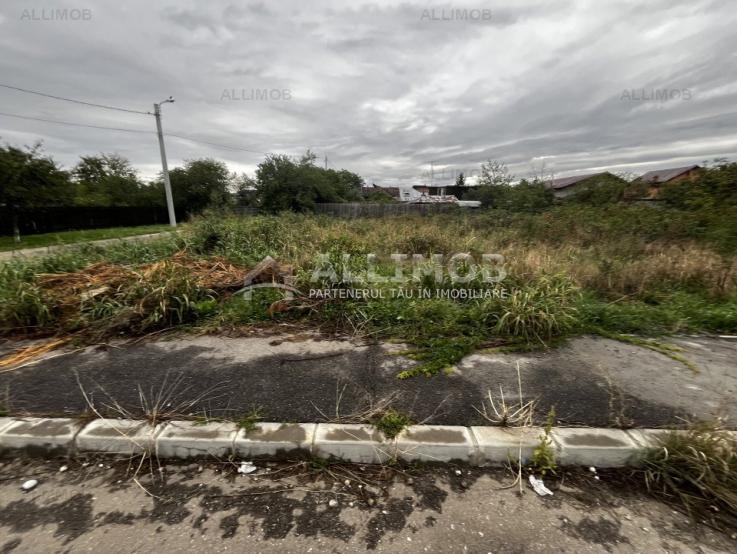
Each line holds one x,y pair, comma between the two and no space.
697,468
570,270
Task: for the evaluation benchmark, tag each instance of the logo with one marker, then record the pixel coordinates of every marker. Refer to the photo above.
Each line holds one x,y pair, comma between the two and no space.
269,268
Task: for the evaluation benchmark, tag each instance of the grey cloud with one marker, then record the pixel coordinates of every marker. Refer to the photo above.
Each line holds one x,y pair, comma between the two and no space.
378,89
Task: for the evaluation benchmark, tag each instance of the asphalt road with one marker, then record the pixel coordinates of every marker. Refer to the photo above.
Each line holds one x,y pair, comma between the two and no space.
591,381
98,507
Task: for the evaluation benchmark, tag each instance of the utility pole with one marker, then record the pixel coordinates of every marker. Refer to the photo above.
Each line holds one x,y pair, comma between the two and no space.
326,162
164,167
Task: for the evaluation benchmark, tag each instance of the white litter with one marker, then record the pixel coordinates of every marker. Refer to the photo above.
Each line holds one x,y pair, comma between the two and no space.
29,485
592,469
62,469
539,487
333,503
246,468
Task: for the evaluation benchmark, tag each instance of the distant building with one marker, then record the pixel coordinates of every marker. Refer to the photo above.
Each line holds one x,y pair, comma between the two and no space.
374,190
653,180
443,190
567,186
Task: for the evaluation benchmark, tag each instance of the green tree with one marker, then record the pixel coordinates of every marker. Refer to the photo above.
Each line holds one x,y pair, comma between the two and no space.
245,190
494,173
200,184
461,180
28,179
601,190
526,196
493,185
106,180
714,188
285,184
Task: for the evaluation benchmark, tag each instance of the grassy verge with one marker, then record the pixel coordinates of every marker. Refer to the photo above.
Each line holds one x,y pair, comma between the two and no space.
615,272
71,237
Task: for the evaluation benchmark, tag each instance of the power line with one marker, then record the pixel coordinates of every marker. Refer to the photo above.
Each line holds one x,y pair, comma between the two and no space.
173,135
72,100
58,122
216,144
75,124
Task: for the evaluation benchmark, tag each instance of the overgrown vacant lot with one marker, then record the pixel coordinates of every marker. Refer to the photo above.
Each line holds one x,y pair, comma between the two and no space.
574,269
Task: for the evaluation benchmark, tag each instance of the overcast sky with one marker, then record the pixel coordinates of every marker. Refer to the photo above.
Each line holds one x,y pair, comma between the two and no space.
380,88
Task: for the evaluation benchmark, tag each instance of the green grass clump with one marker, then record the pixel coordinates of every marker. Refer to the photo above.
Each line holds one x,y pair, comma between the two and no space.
249,421
23,305
391,423
540,310
697,468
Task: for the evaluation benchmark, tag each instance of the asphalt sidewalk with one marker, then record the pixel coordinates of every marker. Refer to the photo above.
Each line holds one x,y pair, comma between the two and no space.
295,378
43,250
96,505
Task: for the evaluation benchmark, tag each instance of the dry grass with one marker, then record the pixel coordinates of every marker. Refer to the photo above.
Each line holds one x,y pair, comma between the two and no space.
498,412
698,469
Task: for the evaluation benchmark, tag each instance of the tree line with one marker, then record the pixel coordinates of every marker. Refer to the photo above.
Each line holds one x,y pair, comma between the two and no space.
29,178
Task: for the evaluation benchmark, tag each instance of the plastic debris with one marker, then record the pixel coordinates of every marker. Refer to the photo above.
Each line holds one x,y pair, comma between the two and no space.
539,487
29,485
246,468
458,472
62,469
592,469
333,503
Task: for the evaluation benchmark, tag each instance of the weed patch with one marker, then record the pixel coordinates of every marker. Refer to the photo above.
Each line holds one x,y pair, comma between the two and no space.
249,421
698,469
543,457
391,423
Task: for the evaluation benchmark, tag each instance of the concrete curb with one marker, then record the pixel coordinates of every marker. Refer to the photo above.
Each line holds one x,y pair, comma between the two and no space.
478,446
